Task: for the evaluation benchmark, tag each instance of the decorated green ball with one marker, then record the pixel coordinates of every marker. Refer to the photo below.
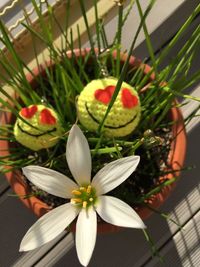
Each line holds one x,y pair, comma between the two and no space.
39,129
93,102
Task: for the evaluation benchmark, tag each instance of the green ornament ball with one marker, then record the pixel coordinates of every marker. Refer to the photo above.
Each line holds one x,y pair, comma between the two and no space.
93,102
39,129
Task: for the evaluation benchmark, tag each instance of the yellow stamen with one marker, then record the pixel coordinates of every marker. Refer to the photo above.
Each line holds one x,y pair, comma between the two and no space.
91,199
76,200
82,188
76,192
72,201
89,189
84,204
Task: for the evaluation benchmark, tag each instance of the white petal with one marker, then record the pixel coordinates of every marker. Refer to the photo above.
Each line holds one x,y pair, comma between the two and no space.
117,212
51,181
114,173
78,156
86,231
49,226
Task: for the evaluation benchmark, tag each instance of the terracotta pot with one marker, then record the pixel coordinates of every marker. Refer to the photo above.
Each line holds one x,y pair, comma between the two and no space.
176,156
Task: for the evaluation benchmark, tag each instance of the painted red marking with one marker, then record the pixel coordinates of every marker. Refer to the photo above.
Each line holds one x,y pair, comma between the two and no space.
29,112
46,117
128,99
105,95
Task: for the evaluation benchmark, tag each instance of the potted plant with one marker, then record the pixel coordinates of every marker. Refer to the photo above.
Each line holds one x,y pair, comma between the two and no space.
110,115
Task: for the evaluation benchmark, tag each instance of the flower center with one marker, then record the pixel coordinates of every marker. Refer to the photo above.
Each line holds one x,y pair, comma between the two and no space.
84,197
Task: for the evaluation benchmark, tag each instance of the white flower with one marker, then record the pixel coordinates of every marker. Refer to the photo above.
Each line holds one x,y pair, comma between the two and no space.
87,198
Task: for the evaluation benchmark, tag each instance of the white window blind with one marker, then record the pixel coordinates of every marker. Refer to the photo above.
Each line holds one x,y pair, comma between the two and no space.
13,13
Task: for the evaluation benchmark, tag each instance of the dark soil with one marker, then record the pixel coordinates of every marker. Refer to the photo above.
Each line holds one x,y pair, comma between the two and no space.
153,164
